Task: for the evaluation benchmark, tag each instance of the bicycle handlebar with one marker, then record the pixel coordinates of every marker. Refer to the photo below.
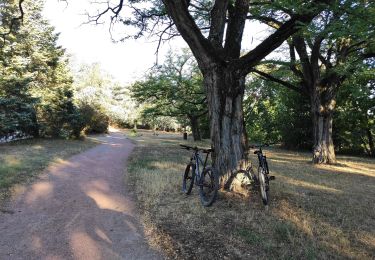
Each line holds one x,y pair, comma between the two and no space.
196,148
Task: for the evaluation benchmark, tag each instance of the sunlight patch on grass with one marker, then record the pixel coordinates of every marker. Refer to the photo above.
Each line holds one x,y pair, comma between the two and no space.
301,220
350,167
11,161
37,147
367,239
165,165
309,185
20,161
332,237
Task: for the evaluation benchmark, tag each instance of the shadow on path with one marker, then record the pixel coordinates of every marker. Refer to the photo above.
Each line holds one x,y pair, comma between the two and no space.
78,209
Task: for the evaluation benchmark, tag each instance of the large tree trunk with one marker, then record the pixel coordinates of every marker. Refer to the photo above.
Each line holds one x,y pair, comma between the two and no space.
194,123
225,91
322,108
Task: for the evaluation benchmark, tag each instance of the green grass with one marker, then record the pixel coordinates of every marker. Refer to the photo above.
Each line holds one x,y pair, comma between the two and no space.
315,212
20,161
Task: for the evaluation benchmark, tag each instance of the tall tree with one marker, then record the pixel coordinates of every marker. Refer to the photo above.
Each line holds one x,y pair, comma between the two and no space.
333,47
214,31
33,72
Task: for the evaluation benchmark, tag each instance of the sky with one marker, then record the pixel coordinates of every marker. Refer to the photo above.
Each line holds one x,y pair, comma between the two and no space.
126,61
87,43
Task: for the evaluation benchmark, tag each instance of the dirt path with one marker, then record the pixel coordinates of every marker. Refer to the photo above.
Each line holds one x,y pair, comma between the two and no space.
78,209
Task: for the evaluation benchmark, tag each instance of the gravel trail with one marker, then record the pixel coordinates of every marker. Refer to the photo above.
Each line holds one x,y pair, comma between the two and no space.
78,209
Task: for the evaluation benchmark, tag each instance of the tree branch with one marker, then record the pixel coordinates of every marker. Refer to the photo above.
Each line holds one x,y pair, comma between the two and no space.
307,70
218,15
249,60
279,81
14,20
292,65
236,25
199,45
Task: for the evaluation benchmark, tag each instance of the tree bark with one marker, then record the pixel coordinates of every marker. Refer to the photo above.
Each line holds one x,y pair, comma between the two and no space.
370,142
194,123
225,91
322,107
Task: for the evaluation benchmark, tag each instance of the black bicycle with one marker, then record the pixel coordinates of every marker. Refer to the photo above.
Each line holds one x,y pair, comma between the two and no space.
263,178
197,171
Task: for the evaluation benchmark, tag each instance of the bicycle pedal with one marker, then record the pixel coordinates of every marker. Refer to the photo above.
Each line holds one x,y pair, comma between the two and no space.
271,178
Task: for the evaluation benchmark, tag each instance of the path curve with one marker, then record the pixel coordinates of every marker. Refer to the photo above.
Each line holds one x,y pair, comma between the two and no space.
77,209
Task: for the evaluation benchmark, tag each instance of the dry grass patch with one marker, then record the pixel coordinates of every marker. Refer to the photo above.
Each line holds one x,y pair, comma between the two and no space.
22,160
315,212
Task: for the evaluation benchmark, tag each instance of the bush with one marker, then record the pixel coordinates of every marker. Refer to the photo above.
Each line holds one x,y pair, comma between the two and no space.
94,118
59,116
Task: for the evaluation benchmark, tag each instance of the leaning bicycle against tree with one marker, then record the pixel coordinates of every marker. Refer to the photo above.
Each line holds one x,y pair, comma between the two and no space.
199,173
261,179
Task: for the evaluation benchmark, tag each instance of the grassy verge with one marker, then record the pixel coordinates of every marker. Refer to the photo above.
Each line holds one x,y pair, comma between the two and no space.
315,212
22,160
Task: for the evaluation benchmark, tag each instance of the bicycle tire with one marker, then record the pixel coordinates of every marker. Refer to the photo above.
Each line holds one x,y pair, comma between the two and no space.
263,185
188,179
209,186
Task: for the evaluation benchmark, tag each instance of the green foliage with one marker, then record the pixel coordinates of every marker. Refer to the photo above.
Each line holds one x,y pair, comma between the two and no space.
35,84
275,114
17,113
174,89
60,117
94,88
294,120
94,118
332,53
355,114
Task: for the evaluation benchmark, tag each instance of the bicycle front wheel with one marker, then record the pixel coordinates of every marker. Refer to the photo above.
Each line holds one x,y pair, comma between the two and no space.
263,185
209,186
188,179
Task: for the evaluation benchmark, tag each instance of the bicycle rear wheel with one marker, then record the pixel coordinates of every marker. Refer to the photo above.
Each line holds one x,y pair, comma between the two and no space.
209,186
263,185
188,179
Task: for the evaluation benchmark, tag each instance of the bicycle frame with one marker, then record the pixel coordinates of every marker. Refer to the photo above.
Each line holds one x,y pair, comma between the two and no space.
198,161
262,160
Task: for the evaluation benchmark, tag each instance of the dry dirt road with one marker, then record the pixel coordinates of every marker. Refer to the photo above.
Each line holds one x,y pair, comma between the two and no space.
77,209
